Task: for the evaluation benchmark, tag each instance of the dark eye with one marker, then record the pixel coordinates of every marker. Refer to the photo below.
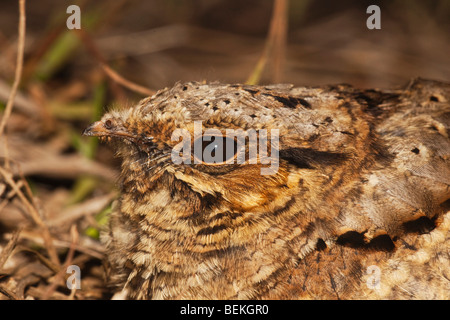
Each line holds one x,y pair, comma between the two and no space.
215,149
108,124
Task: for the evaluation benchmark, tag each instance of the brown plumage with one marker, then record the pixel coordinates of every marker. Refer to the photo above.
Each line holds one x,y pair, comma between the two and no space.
355,209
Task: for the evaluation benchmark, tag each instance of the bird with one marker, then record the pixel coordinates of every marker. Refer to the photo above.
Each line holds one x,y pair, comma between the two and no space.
325,192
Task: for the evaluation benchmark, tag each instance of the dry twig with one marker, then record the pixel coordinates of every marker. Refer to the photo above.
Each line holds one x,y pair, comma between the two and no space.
7,176
8,249
19,66
60,275
8,293
275,44
88,207
107,69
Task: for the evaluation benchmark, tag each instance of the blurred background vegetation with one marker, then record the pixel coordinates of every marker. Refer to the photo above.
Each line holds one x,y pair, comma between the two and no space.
127,49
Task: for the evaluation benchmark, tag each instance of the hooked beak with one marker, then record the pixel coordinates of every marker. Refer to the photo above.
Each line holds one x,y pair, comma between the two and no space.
100,129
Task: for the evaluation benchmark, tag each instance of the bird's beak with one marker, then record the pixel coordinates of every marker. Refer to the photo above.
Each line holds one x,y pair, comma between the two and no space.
99,129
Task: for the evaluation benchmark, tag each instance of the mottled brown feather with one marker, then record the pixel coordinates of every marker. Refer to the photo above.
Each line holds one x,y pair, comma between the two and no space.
362,179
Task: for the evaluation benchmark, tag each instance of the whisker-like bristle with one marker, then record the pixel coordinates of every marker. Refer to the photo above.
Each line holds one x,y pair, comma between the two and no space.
159,157
159,162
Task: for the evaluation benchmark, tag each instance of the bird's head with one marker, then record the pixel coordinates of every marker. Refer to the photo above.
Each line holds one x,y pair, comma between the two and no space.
225,141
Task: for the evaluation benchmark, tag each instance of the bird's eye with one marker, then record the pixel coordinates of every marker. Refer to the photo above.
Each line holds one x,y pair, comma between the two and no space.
215,149
108,124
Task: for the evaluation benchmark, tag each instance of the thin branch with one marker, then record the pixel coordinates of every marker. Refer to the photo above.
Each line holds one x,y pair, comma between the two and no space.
90,248
19,67
6,148
6,252
89,44
32,210
60,275
280,38
88,207
275,46
126,83
39,256
34,214
8,293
